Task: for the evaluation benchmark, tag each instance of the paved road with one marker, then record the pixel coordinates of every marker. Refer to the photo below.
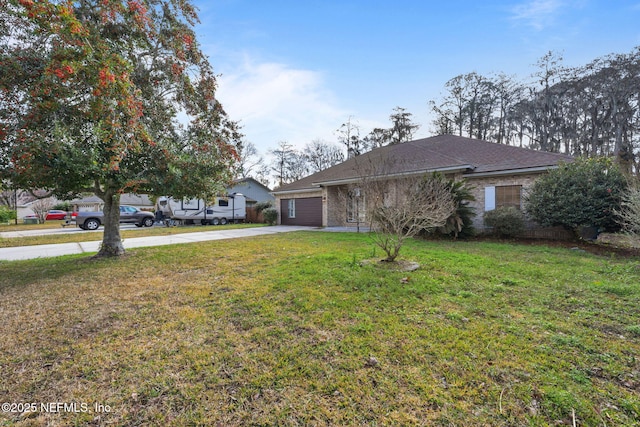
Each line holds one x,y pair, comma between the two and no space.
42,251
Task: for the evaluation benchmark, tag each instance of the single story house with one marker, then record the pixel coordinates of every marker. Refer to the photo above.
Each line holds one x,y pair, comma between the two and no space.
499,175
24,203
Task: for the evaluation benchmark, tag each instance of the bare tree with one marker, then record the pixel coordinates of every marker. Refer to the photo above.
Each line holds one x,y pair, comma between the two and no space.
399,208
508,92
250,162
263,175
321,155
458,109
377,138
421,203
41,206
349,135
444,121
9,197
284,157
298,167
629,215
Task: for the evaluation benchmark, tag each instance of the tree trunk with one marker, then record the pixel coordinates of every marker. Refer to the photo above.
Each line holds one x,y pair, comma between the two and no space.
111,240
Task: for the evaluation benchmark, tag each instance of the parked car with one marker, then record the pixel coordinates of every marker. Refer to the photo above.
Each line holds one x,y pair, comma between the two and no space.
128,215
55,214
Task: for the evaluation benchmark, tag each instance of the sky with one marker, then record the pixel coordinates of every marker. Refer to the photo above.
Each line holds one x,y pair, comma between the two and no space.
295,71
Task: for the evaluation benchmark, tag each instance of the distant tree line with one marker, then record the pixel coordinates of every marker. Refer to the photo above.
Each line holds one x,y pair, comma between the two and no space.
289,164
593,110
587,111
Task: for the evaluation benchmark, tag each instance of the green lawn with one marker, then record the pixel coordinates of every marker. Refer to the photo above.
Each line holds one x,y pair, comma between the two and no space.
291,330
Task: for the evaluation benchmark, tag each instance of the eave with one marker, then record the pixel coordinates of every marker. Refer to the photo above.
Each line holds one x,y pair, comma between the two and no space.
300,190
518,171
448,169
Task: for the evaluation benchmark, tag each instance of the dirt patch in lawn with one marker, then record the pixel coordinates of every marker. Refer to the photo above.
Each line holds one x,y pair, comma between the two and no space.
398,265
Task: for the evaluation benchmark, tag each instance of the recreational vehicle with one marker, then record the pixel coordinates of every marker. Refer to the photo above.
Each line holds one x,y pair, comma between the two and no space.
231,208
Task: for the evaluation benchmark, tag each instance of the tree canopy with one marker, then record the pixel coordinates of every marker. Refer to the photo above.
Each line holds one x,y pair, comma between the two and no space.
108,97
592,110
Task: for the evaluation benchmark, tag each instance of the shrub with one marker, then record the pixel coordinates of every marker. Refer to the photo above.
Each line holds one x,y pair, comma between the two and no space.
585,193
270,215
506,221
6,214
261,206
460,223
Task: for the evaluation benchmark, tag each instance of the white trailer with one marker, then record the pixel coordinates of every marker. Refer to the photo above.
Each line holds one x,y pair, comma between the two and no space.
231,208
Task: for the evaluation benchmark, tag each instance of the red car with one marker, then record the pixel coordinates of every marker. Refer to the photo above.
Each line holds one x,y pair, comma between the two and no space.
55,215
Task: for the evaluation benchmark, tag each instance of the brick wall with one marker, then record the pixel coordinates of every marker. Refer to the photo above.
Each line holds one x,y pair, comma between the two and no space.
478,185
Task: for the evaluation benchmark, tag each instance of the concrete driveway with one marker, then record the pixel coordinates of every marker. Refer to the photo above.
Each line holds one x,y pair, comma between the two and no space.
43,251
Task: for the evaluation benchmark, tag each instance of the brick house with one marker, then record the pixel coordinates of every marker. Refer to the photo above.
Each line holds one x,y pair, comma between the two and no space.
499,175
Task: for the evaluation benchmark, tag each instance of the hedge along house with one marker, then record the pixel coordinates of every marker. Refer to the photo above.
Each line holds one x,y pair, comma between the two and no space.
336,197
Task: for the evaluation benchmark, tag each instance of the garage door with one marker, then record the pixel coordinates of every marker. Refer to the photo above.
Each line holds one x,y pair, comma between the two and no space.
306,211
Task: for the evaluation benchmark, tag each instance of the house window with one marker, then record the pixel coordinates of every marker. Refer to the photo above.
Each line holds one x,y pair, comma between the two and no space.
292,208
508,195
503,195
356,206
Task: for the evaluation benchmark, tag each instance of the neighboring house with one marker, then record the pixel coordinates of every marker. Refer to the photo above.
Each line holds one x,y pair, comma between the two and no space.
499,174
23,201
252,190
94,203
24,204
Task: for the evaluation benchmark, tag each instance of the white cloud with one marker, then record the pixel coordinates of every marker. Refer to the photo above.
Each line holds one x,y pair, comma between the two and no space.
537,13
275,102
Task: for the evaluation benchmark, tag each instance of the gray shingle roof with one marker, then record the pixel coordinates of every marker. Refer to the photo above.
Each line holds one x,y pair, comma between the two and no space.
443,152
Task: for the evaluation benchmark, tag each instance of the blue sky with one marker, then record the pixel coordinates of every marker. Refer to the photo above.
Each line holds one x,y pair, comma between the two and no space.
296,70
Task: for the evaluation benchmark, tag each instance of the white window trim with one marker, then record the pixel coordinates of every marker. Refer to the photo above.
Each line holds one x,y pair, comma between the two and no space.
489,198
292,208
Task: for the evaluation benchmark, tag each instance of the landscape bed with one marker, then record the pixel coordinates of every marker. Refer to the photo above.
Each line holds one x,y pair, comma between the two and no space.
295,329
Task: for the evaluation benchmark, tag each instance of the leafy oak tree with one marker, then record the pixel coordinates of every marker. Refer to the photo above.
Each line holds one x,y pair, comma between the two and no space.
91,92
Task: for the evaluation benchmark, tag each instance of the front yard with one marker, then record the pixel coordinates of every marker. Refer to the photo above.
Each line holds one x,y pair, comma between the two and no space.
292,330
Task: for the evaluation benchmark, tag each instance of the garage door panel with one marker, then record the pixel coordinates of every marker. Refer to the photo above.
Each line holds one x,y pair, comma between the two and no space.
308,211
